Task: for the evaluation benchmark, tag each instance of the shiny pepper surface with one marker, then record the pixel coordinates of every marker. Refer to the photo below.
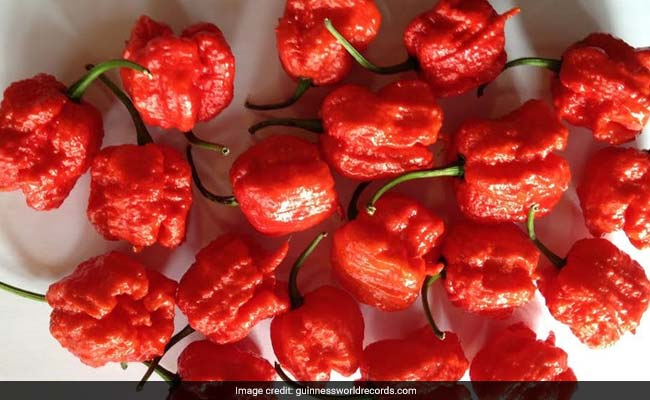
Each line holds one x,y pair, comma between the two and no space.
459,45
371,136
516,356
141,194
490,268
615,194
283,185
325,333
383,259
306,48
510,165
112,309
601,293
47,140
421,356
204,361
193,75
604,85
231,287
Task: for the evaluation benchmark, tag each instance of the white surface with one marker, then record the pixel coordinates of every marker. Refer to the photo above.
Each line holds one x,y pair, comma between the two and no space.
60,36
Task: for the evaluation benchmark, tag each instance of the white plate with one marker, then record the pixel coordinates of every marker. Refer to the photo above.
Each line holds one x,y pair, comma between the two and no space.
60,36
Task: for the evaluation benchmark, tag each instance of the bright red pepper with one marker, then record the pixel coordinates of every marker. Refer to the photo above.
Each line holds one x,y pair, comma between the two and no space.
47,140
283,186
510,165
459,44
308,51
371,136
112,309
604,85
490,269
516,356
420,356
323,334
193,73
231,287
601,293
382,260
141,194
204,361
615,194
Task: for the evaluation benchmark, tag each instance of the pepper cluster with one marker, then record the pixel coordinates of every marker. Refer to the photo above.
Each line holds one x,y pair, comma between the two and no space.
506,170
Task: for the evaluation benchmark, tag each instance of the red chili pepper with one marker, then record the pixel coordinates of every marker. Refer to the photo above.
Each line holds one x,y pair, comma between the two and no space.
601,83
456,46
506,164
204,361
231,287
322,332
615,194
420,356
49,136
141,194
194,73
283,186
370,135
599,291
515,355
490,269
309,54
112,309
383,260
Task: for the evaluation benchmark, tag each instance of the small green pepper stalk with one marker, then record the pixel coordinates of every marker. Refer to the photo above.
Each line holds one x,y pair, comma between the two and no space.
550,64
424,296
78,89
556,260
304,84
229,201
294,293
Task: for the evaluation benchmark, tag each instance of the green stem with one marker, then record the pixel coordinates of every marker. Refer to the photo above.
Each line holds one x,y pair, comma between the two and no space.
229,201
164,373
194,140
353,210
456,170
303,85
155,363
551,64
558,261
141,130
428,281
77,90
408,65
313,125
23,293
294,292
283,375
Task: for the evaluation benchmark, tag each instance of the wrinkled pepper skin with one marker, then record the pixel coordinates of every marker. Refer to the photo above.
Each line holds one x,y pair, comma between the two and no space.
324,334
510,164
420,356
459,45
515,355
491,268
231,287
283,186
306,48
604,85
383,259
601,293
615,194
112,309
193,74
140,194
371,136
47,140
204,361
